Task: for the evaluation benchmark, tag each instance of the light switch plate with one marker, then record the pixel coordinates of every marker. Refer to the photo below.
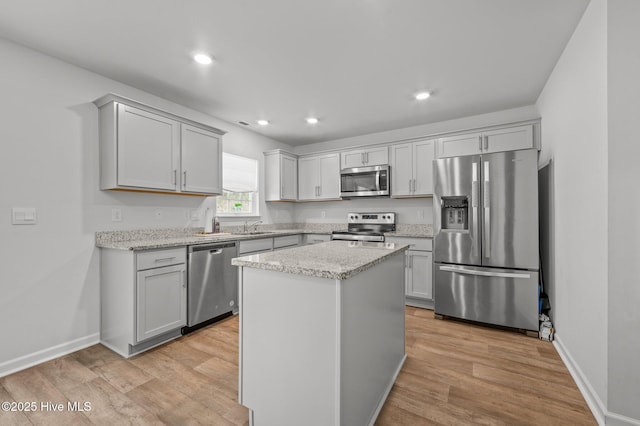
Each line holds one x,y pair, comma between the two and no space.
24,216
116,215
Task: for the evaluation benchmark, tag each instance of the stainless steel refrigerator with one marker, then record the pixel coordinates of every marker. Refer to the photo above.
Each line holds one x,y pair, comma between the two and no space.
485,256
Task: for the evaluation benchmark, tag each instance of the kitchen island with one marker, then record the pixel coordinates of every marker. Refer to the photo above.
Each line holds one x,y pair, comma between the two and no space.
321,332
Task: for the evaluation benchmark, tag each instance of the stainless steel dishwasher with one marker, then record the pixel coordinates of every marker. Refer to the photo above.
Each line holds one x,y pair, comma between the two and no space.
212,290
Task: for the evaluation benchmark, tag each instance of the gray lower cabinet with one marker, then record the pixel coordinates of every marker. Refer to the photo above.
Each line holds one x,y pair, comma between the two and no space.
161,304
143,296
263,245
256,246
315,238
418,270
286,241
419,274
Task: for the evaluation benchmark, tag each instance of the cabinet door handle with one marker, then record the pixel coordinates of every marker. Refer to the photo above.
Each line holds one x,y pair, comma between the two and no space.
175,176
164,259
486,143
487,211
319,191
479,143
409,185
184,179
366,158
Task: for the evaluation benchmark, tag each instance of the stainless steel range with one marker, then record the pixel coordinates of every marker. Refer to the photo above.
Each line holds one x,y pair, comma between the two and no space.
366,227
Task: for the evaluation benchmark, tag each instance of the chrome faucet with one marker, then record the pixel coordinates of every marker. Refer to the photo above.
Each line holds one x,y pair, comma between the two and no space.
254,225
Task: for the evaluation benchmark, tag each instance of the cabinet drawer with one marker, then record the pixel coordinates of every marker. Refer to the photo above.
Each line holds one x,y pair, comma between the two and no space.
250,246
157,258
316,238
425,244
286,241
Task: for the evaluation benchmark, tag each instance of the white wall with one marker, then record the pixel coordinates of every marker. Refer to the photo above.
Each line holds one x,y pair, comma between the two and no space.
573,107
50,277
624,211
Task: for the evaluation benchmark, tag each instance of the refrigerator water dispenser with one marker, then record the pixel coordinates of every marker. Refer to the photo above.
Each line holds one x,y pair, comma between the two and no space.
455,213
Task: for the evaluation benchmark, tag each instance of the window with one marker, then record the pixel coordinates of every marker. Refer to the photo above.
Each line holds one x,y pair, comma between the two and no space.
240,187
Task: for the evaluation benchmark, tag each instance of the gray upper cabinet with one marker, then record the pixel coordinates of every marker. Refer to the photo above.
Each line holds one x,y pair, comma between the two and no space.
484,142
374,156
146,149
281,176
412,169
201,159
319,177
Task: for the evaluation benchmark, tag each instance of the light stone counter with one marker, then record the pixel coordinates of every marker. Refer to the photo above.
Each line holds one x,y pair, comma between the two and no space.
144,239
334,259
412,230
188,240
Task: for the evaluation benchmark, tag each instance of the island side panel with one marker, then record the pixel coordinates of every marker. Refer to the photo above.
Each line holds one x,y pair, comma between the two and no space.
289,348
372,338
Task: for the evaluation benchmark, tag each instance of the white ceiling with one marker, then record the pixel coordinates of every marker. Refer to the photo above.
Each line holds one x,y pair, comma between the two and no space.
355,64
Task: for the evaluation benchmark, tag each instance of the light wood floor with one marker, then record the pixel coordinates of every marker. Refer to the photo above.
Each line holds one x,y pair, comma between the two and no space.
455,373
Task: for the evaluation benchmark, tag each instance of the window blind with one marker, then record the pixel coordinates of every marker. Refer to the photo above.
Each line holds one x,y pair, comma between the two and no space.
239,174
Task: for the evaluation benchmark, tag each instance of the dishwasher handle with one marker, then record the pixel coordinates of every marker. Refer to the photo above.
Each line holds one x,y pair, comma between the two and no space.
211,247
214,251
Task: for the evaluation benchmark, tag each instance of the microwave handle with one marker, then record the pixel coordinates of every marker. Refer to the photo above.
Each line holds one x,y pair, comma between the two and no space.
378,180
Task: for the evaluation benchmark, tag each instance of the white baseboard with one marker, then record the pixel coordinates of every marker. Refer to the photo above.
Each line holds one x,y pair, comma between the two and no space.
597,406
26,361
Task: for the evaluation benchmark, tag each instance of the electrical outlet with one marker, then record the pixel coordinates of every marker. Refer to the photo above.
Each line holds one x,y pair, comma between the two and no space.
24,216
323,214
195,214
158,214
116,215
420,214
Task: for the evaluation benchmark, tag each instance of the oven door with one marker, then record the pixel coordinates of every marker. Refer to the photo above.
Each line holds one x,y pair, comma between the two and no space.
364,182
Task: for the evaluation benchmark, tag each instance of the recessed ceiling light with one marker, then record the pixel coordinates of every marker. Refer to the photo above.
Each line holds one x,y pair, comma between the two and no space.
263,122
202,58
422,96
312,120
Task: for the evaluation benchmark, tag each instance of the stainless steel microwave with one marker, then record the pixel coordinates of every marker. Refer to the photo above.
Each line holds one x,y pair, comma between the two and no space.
370,181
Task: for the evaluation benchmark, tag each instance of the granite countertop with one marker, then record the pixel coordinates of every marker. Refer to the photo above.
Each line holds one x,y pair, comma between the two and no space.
144,239
160,241
333,259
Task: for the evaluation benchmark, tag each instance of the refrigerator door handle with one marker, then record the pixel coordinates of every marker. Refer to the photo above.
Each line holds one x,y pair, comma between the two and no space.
487,211
474,207
460,270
